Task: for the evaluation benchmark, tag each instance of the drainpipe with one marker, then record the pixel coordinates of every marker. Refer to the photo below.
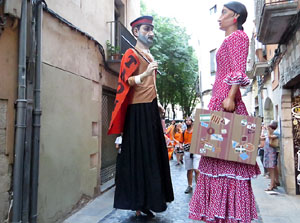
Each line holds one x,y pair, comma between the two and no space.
31,48
21,104
260,103
36,117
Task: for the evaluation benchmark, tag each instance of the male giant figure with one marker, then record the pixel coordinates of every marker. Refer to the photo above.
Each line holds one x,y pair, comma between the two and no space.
143,181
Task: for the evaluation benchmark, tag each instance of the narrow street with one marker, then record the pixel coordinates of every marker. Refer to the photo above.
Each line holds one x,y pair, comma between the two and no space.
278,207
73,71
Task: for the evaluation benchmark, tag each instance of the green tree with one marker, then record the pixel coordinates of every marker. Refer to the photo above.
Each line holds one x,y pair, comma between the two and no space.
177,63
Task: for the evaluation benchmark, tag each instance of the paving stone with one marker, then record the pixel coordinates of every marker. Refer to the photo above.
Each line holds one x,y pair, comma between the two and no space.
276,207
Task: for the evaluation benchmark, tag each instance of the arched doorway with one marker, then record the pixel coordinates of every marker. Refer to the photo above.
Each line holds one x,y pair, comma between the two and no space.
268,111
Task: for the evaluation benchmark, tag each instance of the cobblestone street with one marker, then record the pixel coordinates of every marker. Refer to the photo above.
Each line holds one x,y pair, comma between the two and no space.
177,211
280,208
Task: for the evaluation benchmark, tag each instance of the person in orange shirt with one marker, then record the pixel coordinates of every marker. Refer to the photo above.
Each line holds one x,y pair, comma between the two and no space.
191,160
170,129
170,146
177,139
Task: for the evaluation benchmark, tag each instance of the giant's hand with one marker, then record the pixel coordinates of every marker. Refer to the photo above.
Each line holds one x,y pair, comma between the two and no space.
151,67
228,104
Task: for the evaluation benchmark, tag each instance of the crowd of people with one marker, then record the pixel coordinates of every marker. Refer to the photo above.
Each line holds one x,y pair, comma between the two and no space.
178,139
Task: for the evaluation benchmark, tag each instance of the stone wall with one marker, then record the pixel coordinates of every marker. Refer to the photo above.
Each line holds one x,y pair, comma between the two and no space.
5,171
287,145
8,94
289,66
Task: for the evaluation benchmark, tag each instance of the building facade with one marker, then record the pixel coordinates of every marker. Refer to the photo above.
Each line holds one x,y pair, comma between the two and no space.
8,95
78,82
276,79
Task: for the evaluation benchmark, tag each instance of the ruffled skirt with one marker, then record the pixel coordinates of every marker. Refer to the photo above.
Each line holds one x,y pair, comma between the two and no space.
223,192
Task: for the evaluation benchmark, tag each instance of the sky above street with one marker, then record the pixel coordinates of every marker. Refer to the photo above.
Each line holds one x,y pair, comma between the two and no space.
187,15
193,14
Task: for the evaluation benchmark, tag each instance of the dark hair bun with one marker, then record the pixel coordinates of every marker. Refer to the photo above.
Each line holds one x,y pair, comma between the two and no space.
240,9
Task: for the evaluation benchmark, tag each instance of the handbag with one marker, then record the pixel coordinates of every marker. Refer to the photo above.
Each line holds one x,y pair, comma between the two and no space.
274,142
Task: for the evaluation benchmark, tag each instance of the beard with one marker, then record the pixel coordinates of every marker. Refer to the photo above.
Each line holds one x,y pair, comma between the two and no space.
145,40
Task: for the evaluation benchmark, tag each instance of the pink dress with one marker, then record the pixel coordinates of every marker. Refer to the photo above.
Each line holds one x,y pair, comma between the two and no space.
223,192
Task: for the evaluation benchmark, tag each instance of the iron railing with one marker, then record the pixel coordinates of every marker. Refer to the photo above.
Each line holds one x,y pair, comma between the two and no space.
117,29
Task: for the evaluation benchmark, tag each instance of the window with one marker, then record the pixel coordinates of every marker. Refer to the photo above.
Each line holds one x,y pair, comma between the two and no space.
213,10
213,62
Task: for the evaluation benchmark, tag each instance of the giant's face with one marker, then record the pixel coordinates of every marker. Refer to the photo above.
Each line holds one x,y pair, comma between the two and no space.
227,18
145,35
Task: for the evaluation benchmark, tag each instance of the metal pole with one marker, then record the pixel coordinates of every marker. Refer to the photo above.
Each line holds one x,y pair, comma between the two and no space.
20,119
260,104
36,117
31,52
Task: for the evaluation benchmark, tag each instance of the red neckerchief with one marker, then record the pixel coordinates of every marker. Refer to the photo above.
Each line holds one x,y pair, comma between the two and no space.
129,64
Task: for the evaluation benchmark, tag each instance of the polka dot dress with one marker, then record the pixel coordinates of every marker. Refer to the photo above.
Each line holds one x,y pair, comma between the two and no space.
223,192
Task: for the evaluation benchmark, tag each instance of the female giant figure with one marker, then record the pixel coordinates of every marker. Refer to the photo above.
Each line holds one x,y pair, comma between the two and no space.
223,192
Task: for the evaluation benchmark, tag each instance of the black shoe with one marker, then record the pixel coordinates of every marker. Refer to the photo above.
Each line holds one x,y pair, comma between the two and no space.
181,161
188,190
148,213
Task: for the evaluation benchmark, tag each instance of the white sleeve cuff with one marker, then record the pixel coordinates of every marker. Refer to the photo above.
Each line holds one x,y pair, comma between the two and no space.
137,79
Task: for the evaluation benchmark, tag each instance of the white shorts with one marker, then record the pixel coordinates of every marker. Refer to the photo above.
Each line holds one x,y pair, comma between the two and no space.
191,163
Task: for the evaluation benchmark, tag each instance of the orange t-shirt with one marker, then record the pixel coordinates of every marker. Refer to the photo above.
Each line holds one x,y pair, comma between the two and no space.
178,137
170,131
187,138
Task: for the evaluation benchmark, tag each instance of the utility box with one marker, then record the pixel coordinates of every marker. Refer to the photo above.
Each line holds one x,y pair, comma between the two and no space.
13,7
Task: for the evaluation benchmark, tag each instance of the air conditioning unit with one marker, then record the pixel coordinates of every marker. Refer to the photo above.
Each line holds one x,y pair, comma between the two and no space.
13,7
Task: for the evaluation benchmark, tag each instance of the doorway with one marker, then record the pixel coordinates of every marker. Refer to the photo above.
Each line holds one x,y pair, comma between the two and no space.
108,150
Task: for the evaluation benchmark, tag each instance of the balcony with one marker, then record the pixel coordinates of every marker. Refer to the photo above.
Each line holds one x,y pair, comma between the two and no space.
259,68
257,65
274,20
117,29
